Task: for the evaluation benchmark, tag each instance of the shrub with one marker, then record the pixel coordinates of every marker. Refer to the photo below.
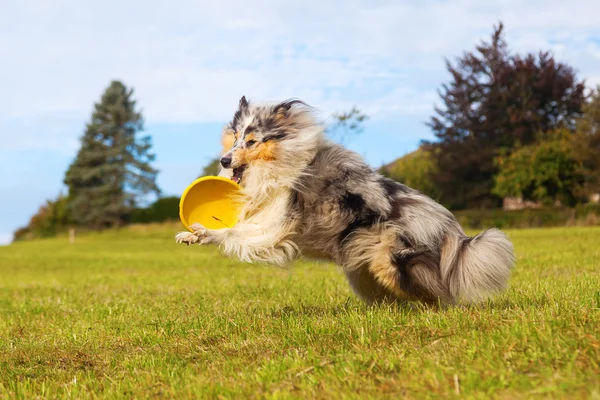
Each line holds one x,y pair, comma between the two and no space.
545,171
588,214
163,209
51,218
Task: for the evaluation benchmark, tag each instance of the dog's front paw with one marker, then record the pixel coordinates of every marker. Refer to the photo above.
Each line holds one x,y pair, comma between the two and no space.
198,230
202,233
199,235
187,238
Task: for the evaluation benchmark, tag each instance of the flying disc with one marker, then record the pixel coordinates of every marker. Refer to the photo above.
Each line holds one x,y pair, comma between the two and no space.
210,201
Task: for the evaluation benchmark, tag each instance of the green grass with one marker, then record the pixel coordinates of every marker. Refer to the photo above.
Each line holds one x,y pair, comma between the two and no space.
130,314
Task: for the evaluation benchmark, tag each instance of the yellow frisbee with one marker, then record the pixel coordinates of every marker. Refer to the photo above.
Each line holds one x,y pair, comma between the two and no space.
210,201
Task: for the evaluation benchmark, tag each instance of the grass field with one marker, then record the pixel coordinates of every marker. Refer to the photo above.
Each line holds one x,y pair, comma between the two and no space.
130,314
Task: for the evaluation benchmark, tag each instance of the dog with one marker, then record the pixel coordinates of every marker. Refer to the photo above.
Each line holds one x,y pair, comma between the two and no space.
305,195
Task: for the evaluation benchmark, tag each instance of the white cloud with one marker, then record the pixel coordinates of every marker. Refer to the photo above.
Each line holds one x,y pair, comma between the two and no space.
191,61
41,132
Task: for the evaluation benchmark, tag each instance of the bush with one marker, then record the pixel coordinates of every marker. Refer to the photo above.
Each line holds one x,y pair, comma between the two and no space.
212,168
163,209
545,171
588,214
51,218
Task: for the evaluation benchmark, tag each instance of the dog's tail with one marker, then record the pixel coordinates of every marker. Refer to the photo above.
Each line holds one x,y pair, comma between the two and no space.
475,268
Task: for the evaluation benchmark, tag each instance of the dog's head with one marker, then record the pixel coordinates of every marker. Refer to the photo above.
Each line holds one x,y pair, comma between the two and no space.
260,134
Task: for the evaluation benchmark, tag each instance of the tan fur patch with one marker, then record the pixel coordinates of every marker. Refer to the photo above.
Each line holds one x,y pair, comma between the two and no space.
382,268
227,140
264,151
372,249
280,115
241,156
386,275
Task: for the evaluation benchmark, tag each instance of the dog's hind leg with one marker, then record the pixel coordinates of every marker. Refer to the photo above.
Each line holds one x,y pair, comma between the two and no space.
366,287
369,268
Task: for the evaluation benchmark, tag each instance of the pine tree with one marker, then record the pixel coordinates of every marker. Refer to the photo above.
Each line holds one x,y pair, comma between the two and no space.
112,171
494,103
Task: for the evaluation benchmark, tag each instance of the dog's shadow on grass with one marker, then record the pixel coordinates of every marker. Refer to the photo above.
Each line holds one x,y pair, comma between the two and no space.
350,306
354,306
522,303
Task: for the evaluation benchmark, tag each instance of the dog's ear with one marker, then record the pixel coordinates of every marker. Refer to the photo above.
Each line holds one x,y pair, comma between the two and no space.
243,103
243,107
281,110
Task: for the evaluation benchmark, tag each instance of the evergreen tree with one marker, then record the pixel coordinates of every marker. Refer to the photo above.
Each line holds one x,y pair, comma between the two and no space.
494,103
112,171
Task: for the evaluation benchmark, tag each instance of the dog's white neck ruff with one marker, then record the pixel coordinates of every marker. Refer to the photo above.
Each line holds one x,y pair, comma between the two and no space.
267,185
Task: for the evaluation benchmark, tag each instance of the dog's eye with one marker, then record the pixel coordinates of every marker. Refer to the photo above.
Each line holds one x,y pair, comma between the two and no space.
250,143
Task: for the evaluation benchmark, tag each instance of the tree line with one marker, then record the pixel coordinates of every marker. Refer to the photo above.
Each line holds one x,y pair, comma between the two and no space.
508,125
111,177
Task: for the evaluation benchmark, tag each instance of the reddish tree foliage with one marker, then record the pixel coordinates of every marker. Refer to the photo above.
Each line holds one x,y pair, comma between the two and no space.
496,102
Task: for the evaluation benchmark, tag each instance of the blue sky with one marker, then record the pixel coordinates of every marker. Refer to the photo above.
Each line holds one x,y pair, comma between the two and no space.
190,62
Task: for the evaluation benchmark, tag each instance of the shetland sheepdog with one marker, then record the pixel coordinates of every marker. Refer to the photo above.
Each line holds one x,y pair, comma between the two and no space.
305,195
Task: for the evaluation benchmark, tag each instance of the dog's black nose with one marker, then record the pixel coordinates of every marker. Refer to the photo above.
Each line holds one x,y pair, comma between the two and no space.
226,161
